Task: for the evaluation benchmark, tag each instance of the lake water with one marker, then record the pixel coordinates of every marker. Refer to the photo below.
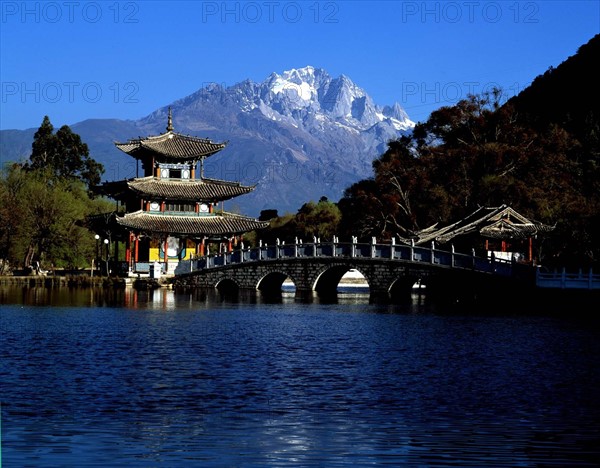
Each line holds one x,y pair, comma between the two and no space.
144,379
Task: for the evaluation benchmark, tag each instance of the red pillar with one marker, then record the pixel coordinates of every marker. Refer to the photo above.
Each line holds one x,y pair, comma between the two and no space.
137,247
229,246
166,250
530,250
128,249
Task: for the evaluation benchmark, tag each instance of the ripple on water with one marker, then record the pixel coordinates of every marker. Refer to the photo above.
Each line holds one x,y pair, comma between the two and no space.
214,384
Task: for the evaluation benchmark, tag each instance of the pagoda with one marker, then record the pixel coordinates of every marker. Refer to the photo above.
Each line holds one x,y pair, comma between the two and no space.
171,214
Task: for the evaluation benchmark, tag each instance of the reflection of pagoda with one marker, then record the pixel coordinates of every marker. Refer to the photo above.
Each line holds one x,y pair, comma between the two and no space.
171,215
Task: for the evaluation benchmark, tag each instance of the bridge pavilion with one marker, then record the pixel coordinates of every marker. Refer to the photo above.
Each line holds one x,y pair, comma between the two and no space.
171,214
501,230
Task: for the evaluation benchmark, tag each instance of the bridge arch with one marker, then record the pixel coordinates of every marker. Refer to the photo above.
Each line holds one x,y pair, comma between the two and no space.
328,278
401,289
227,286
272,282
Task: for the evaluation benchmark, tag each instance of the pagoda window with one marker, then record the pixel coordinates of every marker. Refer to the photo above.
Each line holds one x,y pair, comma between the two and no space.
182,207
173,171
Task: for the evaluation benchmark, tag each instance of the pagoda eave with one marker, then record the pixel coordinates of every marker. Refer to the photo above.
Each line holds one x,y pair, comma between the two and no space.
171,146
205,190
226,224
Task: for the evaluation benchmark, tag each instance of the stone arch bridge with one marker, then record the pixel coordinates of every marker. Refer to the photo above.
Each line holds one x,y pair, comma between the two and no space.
389,269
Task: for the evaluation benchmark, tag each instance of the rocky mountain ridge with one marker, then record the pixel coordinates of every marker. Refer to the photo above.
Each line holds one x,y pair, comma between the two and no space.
298,135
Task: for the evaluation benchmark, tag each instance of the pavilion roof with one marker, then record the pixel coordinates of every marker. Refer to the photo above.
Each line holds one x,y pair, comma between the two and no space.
501,222
204,189
194,226
171,146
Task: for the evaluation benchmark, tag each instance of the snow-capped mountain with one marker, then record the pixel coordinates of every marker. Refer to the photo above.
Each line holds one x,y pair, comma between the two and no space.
298,135
306,96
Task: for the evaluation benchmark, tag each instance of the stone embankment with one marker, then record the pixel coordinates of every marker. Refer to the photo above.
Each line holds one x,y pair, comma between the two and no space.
60,281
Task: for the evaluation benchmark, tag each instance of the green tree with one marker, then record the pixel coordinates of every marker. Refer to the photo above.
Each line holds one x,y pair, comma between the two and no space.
41,220
63,154
321,220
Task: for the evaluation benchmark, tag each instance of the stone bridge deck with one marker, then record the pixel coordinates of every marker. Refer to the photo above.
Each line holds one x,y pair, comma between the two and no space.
389,269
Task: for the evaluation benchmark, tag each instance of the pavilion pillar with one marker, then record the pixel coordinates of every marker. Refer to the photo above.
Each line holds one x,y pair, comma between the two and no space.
128,249
229,245
166,251
137,247
530,253
201,247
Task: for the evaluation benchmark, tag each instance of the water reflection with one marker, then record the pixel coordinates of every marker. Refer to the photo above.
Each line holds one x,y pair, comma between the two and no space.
167,299
148,378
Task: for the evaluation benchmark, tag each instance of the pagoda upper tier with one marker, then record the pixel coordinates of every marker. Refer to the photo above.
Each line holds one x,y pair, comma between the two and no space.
170,147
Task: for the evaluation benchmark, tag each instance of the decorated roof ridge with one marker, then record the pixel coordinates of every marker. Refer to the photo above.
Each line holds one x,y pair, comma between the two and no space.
225,182
228,214
171,145
169,135
498,220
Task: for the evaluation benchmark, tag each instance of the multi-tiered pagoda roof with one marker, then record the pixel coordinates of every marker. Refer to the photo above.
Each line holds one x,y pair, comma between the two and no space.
170,204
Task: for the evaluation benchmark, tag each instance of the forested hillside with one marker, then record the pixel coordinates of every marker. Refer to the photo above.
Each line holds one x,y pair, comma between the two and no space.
537,152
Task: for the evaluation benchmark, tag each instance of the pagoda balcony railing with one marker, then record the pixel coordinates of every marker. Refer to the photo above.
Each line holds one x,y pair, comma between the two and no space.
350,250
181,213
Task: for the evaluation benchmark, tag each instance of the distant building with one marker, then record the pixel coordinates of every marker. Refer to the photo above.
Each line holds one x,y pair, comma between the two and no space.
171,213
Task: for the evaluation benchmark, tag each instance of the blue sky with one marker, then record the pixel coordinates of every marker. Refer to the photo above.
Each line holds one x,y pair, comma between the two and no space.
79,60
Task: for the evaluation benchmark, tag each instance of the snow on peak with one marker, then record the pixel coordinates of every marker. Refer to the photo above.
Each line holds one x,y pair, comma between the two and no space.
292,90
311,93
299,86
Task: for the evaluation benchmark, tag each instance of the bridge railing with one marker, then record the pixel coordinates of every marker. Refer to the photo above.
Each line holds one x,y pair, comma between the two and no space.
567,280
334,248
